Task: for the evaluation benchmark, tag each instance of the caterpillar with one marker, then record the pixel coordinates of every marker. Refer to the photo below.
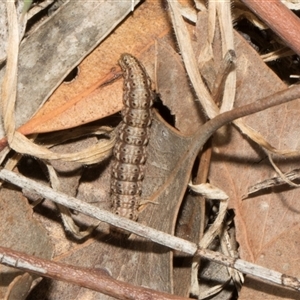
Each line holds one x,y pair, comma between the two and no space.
129,153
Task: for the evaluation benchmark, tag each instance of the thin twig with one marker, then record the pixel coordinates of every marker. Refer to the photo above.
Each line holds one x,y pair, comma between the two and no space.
100,214
274,181
95,279
227,65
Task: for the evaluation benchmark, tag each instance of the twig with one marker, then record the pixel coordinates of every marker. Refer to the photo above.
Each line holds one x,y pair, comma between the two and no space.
253,269
274,181
227,65
100,214
95,279
147,232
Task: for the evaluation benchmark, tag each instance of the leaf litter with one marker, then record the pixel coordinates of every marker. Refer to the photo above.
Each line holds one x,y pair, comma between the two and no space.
265,247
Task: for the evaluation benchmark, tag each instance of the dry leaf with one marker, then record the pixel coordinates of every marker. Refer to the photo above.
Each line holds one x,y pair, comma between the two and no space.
57,46
208,191
82,101
175,91
19,231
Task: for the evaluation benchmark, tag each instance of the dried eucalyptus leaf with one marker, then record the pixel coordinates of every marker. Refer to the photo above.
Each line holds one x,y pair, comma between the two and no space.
57,46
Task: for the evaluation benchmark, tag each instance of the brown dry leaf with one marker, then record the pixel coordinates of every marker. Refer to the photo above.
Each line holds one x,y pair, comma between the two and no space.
267,224
57,46
187,227
82,101
19,231
175,91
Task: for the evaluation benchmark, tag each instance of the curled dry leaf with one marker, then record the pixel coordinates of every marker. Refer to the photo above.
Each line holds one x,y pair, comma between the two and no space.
91,155
208,191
